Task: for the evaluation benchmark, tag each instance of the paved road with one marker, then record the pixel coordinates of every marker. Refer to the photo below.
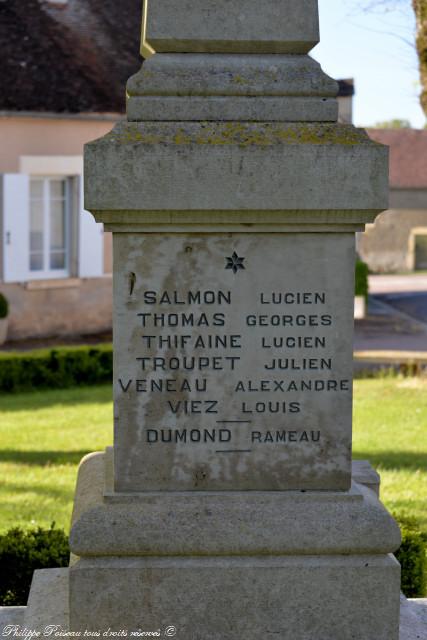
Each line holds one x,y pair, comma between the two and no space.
388,329
414,304
406,293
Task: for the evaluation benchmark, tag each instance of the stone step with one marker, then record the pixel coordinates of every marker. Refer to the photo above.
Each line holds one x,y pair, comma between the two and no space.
11,616
48,604
413,619
48,600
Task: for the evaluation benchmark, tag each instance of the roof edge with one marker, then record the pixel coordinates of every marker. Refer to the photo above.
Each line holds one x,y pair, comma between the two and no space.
52,115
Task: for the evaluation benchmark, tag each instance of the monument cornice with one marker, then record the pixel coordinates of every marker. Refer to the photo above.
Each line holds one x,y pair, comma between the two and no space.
134,221
245,172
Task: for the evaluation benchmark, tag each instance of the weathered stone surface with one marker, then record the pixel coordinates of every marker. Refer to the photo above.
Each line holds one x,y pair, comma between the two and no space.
11,616
228,380
221,26
413,616
48,600
191,87
363,473
321,598
230,523
230,108
234,167
231,75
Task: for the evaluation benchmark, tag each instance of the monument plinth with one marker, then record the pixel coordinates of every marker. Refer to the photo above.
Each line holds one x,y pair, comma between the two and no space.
226,506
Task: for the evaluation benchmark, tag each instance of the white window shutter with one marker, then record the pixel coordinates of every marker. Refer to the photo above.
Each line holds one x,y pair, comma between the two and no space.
91,243
16,227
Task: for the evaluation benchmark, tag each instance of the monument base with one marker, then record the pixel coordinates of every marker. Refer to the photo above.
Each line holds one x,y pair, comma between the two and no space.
289,565
307,598
227,565
413,613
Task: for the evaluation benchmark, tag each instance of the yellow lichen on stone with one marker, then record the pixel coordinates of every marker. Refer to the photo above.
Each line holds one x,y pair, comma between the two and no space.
239,80
181,137
239,133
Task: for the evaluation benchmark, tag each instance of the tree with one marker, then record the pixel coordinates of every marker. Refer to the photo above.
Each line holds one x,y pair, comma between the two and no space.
420,8
393,124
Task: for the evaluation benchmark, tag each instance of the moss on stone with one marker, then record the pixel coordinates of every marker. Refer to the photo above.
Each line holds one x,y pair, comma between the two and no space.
238,133
239,80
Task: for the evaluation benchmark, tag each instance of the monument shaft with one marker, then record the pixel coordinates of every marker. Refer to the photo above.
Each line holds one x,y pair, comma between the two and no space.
233,362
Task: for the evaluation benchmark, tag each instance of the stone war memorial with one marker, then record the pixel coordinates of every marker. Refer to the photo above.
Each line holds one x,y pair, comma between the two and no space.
229,507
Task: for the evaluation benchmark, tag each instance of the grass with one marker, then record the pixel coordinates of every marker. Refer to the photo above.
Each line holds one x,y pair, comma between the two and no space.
44,435
390,430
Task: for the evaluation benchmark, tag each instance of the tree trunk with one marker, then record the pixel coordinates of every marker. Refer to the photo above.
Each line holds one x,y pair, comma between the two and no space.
420,8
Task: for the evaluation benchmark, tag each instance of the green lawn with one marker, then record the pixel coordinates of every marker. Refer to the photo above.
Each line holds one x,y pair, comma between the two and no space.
390,430
44,435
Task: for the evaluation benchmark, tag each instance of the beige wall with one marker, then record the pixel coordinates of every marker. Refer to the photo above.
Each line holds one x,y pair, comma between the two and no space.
388,245
41,136
345,110
56,307
59,308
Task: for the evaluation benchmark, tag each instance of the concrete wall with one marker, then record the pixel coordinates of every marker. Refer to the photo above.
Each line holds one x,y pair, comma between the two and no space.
345,109
388,246
59,307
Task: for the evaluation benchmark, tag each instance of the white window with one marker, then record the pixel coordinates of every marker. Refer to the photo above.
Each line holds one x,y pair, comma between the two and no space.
45,232
49,227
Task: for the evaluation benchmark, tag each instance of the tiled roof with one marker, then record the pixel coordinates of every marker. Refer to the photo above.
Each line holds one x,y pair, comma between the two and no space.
408,156
74,57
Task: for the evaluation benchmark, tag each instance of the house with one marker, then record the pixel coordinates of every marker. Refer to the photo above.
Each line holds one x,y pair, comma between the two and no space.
345,100
63,71
397,242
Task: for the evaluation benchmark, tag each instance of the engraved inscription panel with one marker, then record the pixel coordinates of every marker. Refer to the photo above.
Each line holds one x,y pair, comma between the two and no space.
233,361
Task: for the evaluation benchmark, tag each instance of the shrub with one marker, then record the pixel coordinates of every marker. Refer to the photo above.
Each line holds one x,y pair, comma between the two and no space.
21,553
412,556
4,307
55,369
362,284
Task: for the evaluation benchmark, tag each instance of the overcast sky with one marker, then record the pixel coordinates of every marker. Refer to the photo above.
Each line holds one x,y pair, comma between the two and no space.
376,49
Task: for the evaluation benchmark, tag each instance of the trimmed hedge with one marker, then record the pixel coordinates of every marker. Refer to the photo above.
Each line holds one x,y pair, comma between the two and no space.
55,368
362,283
412,556
21,553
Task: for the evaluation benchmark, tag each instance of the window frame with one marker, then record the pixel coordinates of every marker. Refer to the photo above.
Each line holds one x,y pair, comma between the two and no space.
47,273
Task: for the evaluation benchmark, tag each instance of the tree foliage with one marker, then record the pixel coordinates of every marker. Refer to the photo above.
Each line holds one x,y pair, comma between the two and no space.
396,123
420,8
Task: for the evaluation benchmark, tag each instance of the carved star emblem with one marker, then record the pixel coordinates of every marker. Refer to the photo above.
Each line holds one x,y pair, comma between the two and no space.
235,263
